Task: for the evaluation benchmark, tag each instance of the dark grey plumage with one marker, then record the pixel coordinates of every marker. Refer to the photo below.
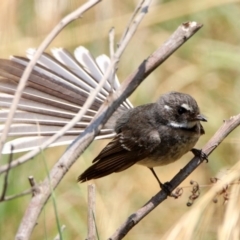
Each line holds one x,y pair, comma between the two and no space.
151,135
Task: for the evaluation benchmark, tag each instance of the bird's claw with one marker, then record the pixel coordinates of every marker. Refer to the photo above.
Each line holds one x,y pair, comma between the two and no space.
166,187
199,153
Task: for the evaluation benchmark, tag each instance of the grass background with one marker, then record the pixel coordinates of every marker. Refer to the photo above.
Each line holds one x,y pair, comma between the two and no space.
207,67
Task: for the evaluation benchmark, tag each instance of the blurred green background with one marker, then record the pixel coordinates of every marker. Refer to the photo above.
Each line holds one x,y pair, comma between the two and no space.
207,67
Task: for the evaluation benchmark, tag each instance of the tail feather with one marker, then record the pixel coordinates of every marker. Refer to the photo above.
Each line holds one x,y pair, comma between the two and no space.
56,90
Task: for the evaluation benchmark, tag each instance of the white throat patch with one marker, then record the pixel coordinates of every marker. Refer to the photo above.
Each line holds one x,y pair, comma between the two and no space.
187,125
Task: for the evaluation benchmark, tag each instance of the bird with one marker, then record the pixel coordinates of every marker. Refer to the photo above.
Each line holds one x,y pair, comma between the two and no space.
151,135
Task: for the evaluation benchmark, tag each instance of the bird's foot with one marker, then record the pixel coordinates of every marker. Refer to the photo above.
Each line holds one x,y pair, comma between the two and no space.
199,153
166,187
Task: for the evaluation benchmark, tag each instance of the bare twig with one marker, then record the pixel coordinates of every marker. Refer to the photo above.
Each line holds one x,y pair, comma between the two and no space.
33,184
34,190
136,217
131,20
24,193
111,35
5,183
65,21
32,181
91,212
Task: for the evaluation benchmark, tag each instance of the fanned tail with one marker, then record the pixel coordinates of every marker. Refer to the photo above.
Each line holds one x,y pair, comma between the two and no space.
56,90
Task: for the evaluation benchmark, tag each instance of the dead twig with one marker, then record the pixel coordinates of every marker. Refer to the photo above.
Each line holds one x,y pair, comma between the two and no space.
91,212
5,183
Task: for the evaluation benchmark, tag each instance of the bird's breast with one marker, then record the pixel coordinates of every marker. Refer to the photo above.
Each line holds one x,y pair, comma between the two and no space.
174,144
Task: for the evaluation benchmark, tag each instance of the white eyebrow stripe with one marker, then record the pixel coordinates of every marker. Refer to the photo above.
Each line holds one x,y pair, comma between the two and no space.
167,107
186,106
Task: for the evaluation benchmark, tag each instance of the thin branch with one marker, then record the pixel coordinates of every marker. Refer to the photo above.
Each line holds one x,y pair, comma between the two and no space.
212,144
34,190
22,83
33,184
5,183
32,181
131,20
91,212
111,36
24,193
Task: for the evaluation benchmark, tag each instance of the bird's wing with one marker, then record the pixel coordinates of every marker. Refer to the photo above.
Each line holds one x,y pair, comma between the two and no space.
121,153
202,131
56,90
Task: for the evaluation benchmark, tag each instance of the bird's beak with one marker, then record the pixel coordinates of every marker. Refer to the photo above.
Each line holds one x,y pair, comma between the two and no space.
200,117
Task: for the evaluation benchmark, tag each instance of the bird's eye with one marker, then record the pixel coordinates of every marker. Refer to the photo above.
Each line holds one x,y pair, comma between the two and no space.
182,110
